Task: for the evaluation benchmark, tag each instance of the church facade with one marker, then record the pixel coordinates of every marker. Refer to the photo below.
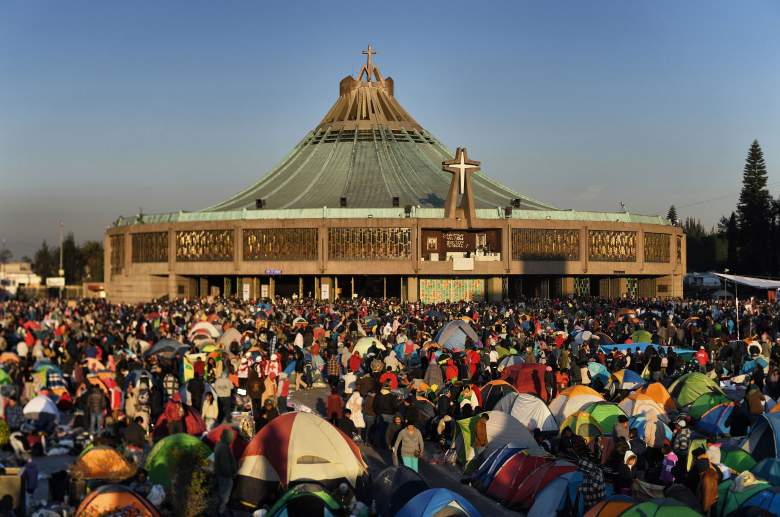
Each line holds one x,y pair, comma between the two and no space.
369,203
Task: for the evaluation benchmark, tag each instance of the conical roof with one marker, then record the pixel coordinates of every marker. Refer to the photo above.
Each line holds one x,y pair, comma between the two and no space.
365,152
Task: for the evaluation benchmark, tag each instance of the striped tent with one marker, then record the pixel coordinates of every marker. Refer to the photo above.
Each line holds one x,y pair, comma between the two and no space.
295,447
571,400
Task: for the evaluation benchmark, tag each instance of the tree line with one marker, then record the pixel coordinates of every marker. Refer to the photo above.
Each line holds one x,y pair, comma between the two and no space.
82,263
747,241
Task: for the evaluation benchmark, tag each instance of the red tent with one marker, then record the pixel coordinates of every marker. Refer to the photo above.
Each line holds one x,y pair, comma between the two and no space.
524,493
515,469
193,424
527,378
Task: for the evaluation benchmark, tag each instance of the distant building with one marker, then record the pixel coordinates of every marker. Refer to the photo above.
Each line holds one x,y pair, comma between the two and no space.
14,275
370,203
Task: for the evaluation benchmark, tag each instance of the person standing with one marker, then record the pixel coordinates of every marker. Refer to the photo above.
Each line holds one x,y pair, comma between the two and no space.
96,403
481,437
196,387
410,443
209,411
174,414
224,391
355,406
225,468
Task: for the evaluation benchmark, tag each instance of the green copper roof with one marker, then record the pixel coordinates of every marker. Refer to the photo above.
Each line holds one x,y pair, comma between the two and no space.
385,213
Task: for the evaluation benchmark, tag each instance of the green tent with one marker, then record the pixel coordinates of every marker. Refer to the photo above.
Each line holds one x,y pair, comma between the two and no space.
737,459
5,378
605,414
306,499
163,459
641,336
661,508
691,386
730,501
705,402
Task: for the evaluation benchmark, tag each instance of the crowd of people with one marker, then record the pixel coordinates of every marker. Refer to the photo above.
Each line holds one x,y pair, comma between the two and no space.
395,378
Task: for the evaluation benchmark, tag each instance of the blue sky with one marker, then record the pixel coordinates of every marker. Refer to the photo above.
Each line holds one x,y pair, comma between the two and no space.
106,107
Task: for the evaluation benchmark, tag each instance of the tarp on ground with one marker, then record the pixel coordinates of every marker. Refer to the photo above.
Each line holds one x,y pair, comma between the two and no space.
691,386
501,430
572,400
527,378
294,447
395,486
529,410
111,498
436,502
453,335
764,438
103,463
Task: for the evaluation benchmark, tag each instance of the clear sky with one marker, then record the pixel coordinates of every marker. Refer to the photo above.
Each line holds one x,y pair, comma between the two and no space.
106,107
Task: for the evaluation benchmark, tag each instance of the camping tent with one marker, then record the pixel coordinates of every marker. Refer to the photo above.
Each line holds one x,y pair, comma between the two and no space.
651,428
293,447
111,498
484,474
769,470
237,442
309,499
364,343
394,487
660,508
625,380
767,500
40,407
602,415
527,378
571,400
658,392
611,507
559,497
103,463
509,360
704,403
436,502
453,335
493,391
193,423
529,410
524,494
730,500
737,459
163,459
501,430
640,404
715,421
764,438
513,471
691,386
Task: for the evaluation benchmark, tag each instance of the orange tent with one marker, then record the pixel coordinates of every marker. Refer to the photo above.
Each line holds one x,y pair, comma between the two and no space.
103,463
611,508
658,393
111,498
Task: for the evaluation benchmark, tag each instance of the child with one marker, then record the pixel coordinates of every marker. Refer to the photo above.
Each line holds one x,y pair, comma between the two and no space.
670,460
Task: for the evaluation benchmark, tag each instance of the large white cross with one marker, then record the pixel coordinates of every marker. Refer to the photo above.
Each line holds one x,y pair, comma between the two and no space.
462,167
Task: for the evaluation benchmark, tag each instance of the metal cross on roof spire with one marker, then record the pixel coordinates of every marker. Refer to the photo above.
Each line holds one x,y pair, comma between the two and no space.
460,166
368,68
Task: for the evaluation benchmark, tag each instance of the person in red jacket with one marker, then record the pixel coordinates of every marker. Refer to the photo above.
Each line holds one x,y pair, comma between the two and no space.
174,414
389,377
335,406
701,357
451,371
354,362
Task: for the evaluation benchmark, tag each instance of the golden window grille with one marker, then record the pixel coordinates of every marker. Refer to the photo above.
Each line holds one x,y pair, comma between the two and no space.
117,243
280,244
538,244
611,246
150,247
204,245
369,243
657,247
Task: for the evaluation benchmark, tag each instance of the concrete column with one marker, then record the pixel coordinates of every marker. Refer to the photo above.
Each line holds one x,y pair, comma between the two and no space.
335,288
567,286
300,287
352,287
384,287
271,287
203,287
494,289
173,291
317,293
412,289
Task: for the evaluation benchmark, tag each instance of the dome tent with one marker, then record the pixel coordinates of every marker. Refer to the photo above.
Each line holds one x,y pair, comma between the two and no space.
112,498
436,502
161,463
764,438
309,499
103,463
295,447
453,335
529,410
493,391
394,487
514,470
501,430
572,400
691,386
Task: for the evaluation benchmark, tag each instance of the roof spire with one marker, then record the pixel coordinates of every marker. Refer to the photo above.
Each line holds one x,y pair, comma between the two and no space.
369,69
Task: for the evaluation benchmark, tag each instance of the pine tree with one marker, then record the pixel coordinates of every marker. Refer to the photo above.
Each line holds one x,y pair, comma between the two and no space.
671,215
754,213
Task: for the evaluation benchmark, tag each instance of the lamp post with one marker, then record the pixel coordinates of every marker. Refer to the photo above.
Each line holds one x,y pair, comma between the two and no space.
61,271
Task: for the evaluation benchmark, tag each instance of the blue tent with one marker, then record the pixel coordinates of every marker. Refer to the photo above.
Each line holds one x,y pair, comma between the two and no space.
560,495
764,438
484,474
768,500
639,422
750,365
435,500
768,470
453,335
598,373
713,422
